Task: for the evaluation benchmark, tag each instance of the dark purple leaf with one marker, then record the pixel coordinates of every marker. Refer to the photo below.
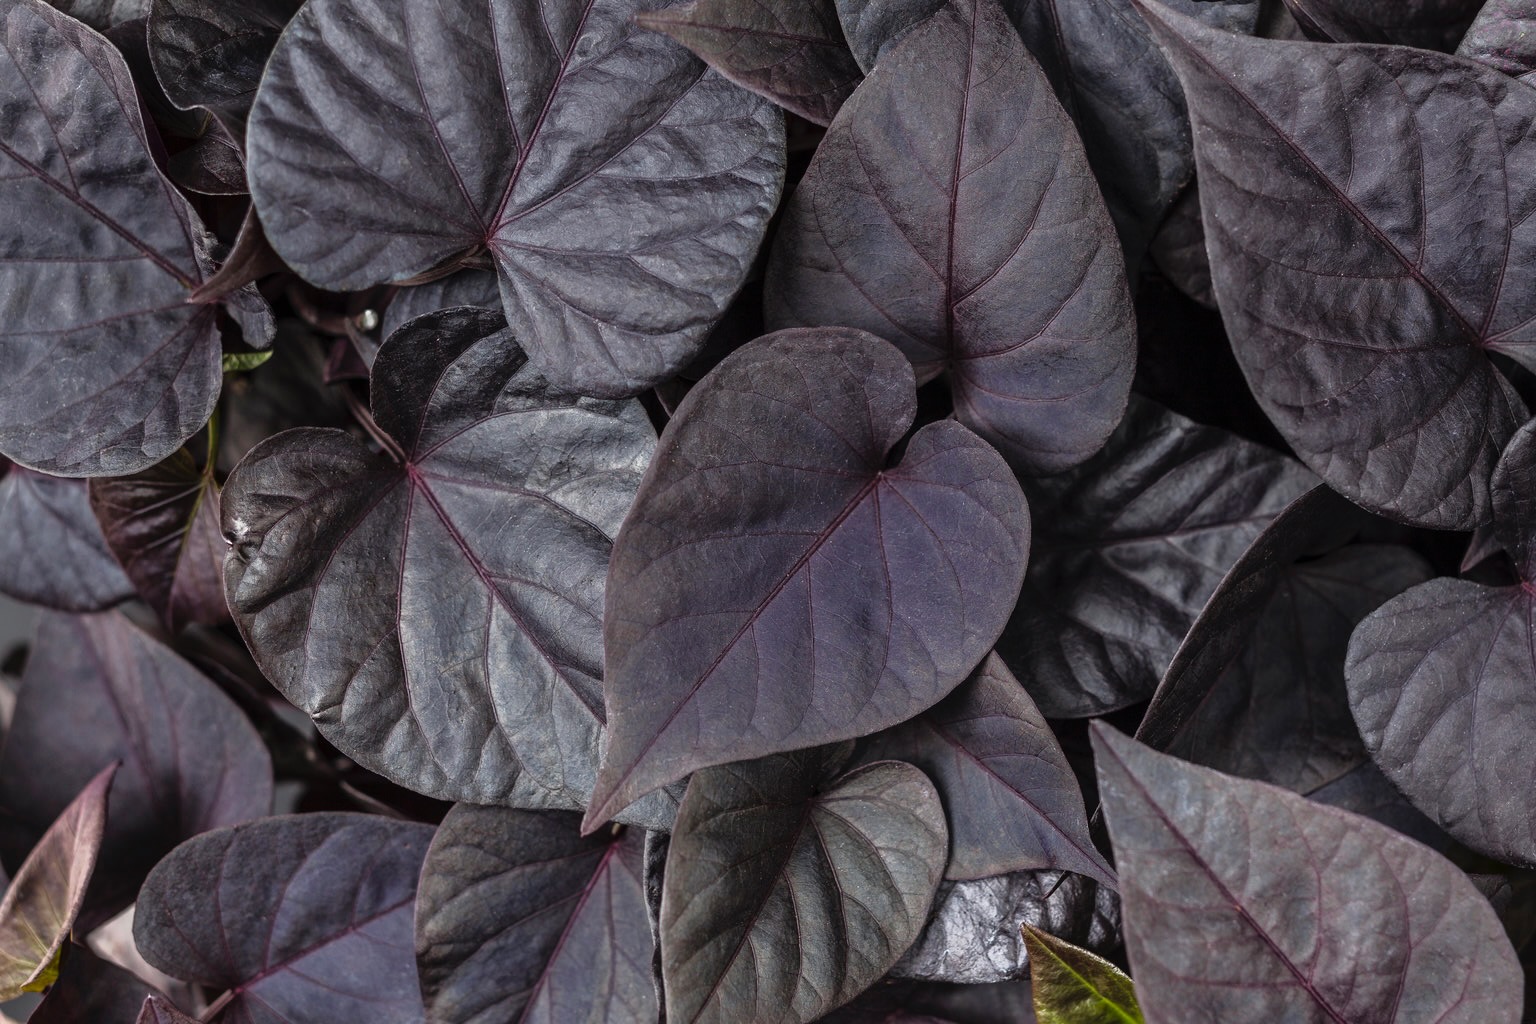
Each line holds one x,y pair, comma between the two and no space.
519,918
44,898
52,552
1363,294
466,288
210,53
286,391
157,1010
104,366
437,608
1503,36
787,895
103,14
973,935
212,165
781,583
793,53
621,190
1244,902
1514,502
98,690
1127,549
1178,248
872,25
1367,792
91,990
163,526
304,919
905,1002
1010,797
950,210
1431,24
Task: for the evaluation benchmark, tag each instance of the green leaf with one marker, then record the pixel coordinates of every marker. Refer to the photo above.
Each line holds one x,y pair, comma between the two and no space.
244,362
1072,986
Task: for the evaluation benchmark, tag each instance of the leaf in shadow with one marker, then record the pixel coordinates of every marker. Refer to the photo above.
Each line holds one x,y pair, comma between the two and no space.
1503,36
52,552
1429,24
160,1011
90,990
872,25
211,53
477,288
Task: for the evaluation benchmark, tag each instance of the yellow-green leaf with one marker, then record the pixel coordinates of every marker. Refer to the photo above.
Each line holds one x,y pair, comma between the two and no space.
244,362
1072,986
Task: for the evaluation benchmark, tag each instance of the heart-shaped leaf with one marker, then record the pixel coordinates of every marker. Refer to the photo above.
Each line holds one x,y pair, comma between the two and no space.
90,989
950,210
98,690
104,366
1503,36
1371,927
45,897
1010,798
211,53
1363,299
1128,548
52,552
1073,986
437,608
1431,24
621,190
519,918
304,919
785,895
779,583
792,53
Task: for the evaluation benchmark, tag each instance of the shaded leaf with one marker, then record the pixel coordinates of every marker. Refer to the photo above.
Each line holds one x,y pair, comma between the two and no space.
98,690
1127,550
290,391
519,918
1504,36
871,25
906,1002
212,165
792,53
1431,24
950,209
786,896
211,53
1073,986
302,919
1514,501
1363,298
157,1010
103,14
437,608
52,552
478,288
1178,248
244,362
1010,798
45,897
1372,926
1367,792
772,520
621,190
90,990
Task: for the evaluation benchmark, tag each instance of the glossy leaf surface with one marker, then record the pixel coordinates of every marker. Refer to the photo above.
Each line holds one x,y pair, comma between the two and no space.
52,552
98,690
786,896
792,53
438,611
1503,35
211,53
466,288
305,919
950,210
1362,295
1010,798
519,918
104,367
621,190
1073,986
779,583
1127,549
1373,927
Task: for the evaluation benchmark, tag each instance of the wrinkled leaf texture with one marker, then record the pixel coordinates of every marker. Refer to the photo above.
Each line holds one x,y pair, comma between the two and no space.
1373,928
103,14
786,895
98,690
52,552
477,288
870,26
1073,986
1504,36
438,611
621,189
1127,549
1363,274
211,53
780,584
951,211
1430,24
302,919
520,918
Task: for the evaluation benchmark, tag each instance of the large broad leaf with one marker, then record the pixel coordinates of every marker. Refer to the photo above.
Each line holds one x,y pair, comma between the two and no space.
1244,902
786,895
98,690
210,53
43,900
793,53
1431,24
1363,296
1073,986
1503,36
519,918
950,210
163,526
1011,799
466,288
1127,549
621,190
437,608
104,366
52,552
303,919
780,583
90,989
872,25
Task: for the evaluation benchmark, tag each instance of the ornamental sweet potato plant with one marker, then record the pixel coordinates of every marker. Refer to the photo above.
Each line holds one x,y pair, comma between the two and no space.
768,511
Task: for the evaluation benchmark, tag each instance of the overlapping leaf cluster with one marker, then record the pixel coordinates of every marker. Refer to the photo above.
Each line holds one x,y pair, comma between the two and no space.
617,510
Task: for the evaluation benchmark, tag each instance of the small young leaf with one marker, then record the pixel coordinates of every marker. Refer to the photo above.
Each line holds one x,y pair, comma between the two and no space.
244,362
1073,986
